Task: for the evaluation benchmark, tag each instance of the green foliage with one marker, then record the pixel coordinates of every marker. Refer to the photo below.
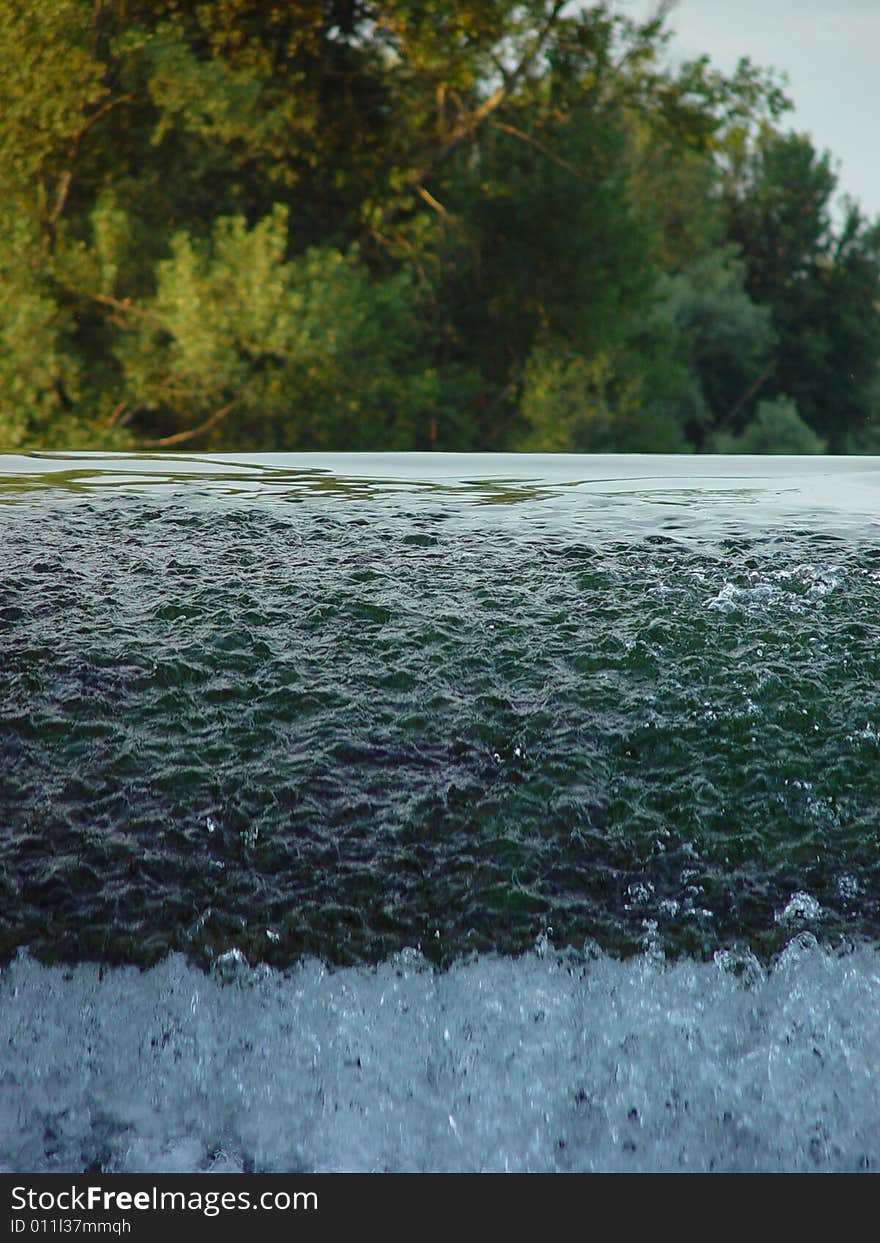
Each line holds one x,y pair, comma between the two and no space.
570,403
820,284
38,376
598,404
864,437
450,224
50,86
776,428
307,353
725,338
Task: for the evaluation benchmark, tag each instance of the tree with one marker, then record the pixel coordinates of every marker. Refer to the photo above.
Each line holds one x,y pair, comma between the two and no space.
377,223
776,428
267,352
820,283
724,338
600,404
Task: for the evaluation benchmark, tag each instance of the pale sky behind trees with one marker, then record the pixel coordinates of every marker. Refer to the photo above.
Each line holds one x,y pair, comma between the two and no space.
828,49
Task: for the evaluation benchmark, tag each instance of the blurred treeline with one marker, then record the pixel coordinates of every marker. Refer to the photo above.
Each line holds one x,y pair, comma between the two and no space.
471,224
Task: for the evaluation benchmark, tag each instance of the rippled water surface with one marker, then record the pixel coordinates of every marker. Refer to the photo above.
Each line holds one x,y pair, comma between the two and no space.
344,706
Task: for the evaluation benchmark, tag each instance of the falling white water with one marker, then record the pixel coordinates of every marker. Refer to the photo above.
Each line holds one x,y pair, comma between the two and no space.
540,1063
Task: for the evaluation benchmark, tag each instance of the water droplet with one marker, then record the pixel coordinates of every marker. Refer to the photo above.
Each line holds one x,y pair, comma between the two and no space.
800,906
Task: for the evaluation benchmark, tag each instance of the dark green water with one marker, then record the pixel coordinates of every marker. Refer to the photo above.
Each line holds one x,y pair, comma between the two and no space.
339,720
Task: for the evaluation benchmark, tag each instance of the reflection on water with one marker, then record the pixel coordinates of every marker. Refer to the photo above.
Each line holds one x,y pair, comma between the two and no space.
756,490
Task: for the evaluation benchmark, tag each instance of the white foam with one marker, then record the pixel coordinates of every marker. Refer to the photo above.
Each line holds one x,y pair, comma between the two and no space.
800,908
801,588
537,1063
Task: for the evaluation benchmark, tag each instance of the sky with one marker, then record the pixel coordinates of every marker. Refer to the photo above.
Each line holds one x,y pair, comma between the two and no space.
830,53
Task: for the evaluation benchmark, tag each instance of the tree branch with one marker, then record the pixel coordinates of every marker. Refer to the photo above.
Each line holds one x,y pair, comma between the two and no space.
752,391
61,196
125,307
116,414
103,110
181,437
66,179
389,243
539,146
473,120
433,203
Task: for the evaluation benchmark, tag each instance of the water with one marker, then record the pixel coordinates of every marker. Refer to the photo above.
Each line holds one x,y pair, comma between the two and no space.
494,812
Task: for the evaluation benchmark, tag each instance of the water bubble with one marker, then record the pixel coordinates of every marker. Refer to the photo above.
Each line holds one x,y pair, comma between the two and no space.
231,965
639,893
740,963
848,887
801,907
543,943
725,600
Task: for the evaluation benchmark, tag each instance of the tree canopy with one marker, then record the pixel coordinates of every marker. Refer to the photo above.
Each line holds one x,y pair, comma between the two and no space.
387,225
